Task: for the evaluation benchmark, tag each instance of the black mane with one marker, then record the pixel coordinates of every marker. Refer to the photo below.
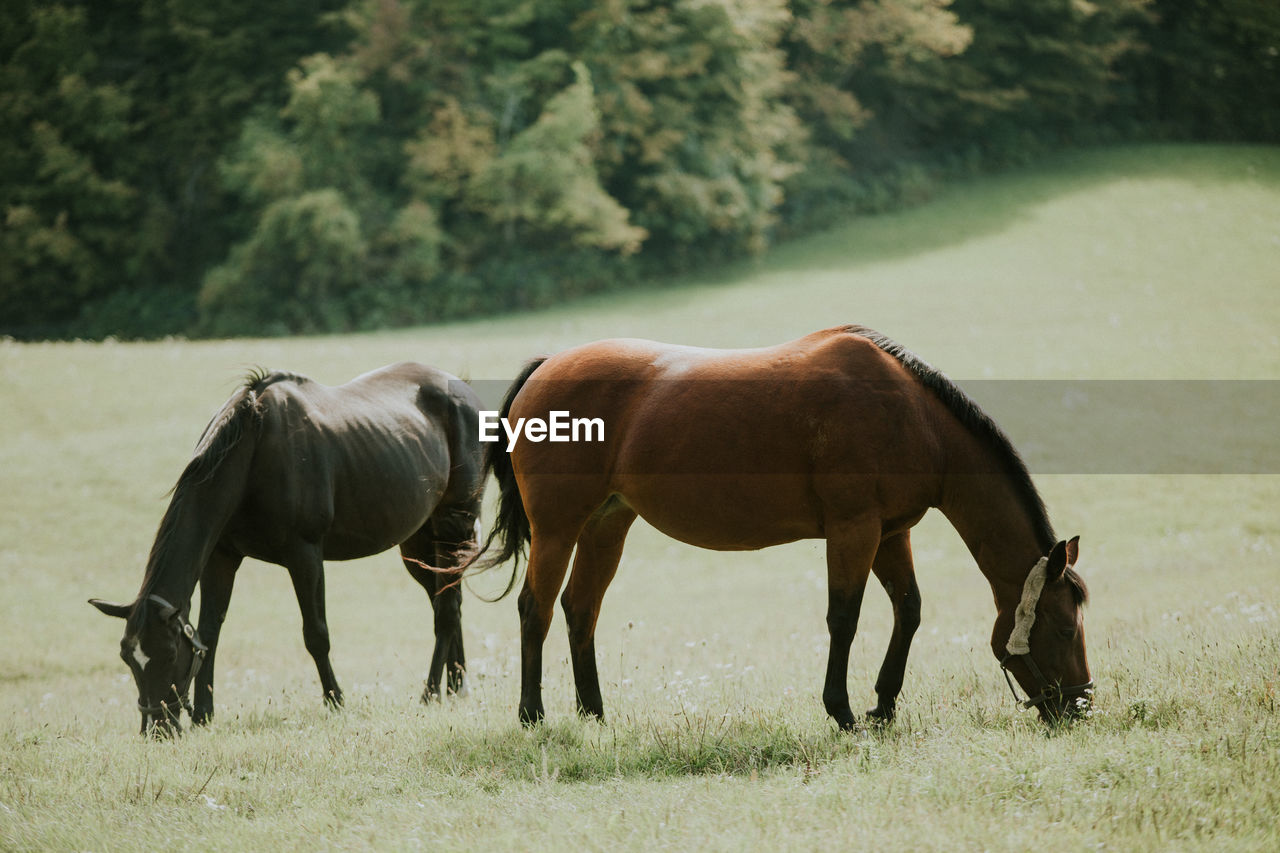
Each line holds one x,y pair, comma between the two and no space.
241,412
977,422
227,426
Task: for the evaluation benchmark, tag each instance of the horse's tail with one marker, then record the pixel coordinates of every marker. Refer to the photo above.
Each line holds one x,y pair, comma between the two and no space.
511,527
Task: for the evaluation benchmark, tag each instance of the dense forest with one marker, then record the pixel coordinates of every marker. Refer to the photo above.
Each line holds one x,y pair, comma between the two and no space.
215,167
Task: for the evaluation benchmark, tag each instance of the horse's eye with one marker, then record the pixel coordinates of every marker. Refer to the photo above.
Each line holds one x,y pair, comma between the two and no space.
1067,633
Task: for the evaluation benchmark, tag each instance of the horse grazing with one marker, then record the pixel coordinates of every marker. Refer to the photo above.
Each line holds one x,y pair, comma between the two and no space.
293,472
842,435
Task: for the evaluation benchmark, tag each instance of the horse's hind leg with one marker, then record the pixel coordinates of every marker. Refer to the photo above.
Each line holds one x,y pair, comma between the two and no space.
455,534
422,548
594,564
548,560
216,582
850,550
307,574
443,543
894,569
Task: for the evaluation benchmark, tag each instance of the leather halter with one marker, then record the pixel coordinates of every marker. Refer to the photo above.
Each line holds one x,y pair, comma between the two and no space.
1019,646
171,708
1048,689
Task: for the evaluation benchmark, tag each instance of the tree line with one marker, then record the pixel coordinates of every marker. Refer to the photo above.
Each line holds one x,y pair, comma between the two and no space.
211,167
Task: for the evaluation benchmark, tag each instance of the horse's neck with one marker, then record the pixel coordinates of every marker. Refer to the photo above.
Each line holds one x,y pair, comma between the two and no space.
999,528
193,524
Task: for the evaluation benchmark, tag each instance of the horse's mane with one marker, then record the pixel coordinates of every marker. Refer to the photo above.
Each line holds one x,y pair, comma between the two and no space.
228,425
978,423
224,431
239,414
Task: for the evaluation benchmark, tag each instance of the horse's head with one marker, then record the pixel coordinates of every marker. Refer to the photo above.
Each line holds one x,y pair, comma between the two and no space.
1045,649
163,651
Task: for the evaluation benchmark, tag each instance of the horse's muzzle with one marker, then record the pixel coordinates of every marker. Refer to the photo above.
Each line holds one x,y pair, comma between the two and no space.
160,726
161,721
1067,707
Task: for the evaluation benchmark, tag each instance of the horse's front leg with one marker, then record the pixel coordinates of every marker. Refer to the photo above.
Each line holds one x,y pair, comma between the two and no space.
307,574
850,549
893,568
215,595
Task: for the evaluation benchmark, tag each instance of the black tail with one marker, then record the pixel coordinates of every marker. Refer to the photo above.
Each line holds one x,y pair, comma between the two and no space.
511,527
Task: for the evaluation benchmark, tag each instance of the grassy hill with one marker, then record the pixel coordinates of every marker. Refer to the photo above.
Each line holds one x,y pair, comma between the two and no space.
1142,263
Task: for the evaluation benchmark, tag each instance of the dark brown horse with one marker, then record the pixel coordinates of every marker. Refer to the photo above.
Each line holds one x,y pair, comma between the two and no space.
295,473
842,435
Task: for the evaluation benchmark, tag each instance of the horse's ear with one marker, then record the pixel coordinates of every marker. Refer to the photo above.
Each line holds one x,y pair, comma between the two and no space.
1073,550
120,610
1057,562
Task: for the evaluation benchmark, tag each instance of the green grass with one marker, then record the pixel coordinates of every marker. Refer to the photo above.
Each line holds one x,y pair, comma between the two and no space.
1150,262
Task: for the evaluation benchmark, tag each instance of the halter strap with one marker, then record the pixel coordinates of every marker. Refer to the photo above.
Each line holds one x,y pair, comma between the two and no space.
1048,689
198,653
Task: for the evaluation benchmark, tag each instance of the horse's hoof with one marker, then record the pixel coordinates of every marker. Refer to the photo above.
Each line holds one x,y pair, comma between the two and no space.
333,699
431,695
881,715
530,717
592,714
845,721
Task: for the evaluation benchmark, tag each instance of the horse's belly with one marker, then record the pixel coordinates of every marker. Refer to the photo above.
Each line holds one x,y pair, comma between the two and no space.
377,517
726,513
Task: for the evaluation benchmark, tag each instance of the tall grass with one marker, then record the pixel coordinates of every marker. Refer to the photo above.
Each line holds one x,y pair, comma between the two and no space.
1129,263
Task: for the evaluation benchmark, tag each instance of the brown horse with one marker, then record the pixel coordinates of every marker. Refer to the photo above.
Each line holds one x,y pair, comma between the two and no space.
842,435
295,473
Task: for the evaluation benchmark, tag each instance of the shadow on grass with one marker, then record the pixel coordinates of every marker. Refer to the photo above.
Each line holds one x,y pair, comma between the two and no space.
972,208
687,745
969,209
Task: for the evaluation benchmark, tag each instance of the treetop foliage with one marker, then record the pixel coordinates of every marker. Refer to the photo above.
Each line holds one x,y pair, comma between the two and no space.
225,167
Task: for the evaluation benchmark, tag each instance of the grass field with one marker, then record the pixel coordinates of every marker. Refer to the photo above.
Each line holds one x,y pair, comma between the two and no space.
1130,263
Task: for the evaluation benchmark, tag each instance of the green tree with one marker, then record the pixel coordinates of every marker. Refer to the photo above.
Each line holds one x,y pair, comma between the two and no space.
308,264
112,117
544,180
1212,70
697,140
464,152
67,210
859,60
870,81
300,271
195,71
1038,73
501,133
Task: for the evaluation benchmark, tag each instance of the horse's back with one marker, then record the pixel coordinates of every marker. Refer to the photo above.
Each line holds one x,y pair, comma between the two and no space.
400,399
779,397
360,466
845,349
